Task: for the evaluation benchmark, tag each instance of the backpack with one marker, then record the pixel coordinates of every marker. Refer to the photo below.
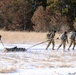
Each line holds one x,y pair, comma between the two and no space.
50,35
64,37
72,35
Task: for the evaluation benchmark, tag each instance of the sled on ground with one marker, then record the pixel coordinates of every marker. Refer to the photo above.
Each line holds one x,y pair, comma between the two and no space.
14,49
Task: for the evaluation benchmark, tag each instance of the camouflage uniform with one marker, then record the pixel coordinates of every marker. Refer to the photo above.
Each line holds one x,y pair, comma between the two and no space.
64,39
51,39
72,39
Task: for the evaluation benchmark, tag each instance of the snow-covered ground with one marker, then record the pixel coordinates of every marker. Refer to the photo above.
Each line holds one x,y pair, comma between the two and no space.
37,61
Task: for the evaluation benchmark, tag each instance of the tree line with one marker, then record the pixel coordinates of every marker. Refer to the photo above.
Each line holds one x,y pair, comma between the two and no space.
37,15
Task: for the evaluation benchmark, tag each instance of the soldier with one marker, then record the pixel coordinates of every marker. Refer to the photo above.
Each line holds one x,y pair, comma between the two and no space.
50,37
64,39
72,39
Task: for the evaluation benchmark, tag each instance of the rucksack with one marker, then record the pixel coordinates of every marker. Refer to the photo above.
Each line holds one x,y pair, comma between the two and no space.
64,37
50,35
72,35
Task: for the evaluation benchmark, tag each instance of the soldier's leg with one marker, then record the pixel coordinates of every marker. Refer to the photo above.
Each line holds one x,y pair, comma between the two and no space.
64,43
48,44
70,44
53,44
60,45
74,44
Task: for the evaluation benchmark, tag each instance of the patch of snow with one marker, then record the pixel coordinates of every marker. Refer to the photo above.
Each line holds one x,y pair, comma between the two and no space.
37,61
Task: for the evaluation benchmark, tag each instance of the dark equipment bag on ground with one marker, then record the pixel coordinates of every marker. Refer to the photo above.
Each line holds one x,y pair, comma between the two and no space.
15,49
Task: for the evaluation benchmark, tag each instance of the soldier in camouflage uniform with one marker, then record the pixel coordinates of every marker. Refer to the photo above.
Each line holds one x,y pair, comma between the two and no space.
51,39
72,39
64,39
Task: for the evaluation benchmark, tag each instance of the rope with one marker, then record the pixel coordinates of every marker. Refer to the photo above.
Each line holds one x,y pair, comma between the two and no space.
2,44
37,44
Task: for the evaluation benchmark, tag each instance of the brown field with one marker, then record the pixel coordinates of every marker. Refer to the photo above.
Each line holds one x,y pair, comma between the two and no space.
23,37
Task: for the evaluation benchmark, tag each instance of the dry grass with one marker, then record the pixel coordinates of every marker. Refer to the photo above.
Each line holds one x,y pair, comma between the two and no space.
23,37
7,69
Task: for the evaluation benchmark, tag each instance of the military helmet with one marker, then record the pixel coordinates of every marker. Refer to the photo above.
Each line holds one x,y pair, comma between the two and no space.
65,32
